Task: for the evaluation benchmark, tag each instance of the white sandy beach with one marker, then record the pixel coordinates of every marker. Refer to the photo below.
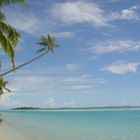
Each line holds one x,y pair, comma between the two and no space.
8,132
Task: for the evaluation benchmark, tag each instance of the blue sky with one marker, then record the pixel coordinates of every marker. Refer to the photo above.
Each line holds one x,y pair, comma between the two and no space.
97,63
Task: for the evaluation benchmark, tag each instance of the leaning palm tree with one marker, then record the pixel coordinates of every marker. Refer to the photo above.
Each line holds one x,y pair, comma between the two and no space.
48,44
9,38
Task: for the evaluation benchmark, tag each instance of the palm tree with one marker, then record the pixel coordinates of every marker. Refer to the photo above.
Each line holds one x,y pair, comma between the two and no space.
48,44
9,37
3,87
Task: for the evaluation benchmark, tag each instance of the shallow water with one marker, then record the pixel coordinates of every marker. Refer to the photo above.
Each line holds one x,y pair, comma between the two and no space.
76,125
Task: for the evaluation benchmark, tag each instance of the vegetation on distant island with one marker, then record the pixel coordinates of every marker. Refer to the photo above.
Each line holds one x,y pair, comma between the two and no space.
26,108
75,108
10,37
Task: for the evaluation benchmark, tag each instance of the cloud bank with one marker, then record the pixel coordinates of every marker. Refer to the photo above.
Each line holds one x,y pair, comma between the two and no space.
122,67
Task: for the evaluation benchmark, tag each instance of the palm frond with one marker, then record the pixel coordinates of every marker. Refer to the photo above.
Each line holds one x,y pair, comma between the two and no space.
8,2
7,89
2,16
9,38
48,43
10,33
7,47
3,87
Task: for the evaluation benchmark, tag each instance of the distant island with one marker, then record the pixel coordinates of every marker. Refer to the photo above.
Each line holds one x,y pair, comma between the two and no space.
26,108
69,108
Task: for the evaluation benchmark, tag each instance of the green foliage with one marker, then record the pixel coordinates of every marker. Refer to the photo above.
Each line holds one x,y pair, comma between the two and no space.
9,38
8,2
2,16
3,84
48,43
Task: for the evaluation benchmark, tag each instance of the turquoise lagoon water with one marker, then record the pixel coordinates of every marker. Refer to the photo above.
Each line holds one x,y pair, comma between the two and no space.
76,125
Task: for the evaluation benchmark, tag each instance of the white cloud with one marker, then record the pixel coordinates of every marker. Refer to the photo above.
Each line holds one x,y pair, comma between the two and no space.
81,87
79,12
69,13
63,34
72,67
77,78
74,12
69,104
50,102
7,102
41,86
101,81
38,84
33,24
127,14
25,22
114,46
114,0
122,67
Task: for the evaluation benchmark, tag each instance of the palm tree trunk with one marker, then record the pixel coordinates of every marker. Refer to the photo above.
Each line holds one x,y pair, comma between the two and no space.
22,65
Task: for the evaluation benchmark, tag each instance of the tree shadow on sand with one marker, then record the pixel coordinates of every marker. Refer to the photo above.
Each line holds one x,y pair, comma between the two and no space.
1,120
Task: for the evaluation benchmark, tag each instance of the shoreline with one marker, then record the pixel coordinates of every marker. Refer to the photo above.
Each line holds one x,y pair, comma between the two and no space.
9,132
